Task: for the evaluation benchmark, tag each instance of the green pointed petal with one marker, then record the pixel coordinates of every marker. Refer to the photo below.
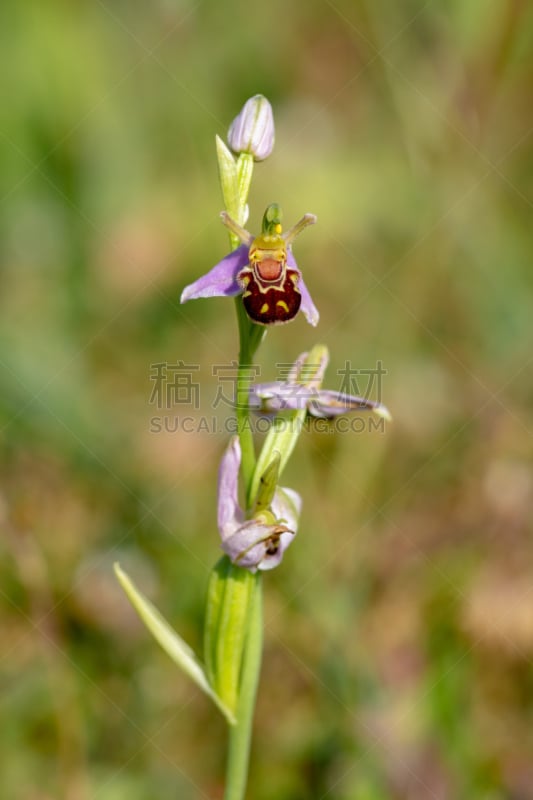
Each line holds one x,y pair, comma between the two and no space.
281,439
267,485
245,169
279,443
178,650
227,168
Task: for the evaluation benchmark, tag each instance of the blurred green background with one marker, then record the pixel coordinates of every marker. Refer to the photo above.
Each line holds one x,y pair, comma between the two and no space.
399,628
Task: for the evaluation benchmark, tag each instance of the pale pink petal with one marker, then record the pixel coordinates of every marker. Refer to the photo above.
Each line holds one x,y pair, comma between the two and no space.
229,515
221,281
307,306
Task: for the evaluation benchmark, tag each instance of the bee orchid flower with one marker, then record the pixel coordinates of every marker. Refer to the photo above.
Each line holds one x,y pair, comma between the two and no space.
257,543
263,270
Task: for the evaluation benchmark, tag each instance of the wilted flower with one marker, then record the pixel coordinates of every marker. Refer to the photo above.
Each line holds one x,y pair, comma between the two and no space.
252,130
263,270
295,393
257,543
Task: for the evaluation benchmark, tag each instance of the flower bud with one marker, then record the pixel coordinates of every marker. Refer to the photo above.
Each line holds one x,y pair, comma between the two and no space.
252,131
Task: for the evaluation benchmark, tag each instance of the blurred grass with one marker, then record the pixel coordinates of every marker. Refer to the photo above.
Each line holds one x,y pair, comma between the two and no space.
400,625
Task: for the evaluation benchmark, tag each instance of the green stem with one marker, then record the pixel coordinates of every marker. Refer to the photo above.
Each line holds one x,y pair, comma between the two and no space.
241,733
235,178
244,379
235,186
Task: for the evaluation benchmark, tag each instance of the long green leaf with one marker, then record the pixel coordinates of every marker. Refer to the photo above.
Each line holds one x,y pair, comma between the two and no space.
178,650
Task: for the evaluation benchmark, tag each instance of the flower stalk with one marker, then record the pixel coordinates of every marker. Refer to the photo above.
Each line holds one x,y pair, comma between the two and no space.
241,734
258,523
240,628
249,341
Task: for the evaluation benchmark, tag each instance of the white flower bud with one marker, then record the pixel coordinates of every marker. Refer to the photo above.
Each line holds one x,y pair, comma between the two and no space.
252,131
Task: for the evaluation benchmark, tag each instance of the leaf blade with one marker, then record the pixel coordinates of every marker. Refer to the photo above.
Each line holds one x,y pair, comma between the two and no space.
178,650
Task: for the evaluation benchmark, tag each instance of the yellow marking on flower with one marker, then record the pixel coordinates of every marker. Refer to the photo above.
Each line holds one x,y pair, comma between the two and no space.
283,305
264,308
278,229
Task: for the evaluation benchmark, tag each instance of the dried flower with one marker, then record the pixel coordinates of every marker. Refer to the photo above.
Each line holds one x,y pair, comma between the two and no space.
292,395
257,543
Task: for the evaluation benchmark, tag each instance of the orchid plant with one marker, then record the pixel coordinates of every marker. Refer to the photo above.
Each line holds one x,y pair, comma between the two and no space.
261,274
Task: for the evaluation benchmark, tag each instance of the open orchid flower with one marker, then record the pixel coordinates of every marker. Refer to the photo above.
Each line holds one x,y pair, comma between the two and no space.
263,270
293,394
257,543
